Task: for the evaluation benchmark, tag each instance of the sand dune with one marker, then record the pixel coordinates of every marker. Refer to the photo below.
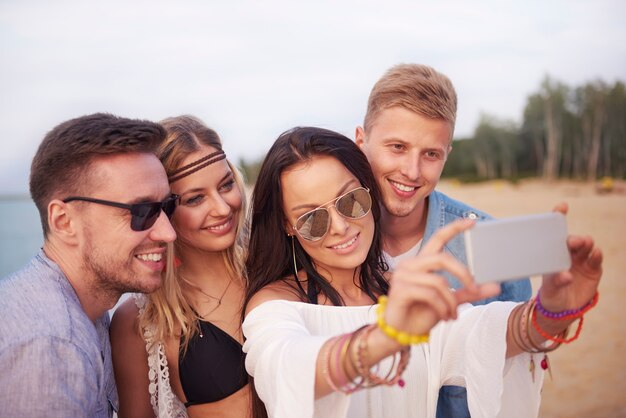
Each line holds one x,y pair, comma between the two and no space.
589,374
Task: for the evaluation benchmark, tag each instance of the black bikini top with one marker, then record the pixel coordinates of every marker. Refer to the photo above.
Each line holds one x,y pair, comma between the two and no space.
213,366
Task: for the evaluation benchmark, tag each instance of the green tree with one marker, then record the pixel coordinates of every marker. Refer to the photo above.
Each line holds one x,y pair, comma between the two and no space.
615,134
554,95
592,112
532,135
496,143
460,162
250,170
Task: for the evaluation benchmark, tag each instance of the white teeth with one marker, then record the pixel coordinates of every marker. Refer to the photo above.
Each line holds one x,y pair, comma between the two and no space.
150,257
345,245
402,187
220,227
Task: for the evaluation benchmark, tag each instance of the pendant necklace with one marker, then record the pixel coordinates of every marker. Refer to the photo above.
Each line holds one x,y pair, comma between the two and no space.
219,301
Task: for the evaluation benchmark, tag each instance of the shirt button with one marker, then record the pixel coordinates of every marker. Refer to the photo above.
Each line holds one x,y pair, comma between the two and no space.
472,216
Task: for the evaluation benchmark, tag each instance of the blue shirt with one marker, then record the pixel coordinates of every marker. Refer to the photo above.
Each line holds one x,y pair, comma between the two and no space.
443,210
54,361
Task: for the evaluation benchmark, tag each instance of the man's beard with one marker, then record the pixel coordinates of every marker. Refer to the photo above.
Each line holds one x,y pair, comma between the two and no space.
113,277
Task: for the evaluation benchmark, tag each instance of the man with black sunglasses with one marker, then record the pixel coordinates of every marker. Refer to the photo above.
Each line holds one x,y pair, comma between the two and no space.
407,136
104,202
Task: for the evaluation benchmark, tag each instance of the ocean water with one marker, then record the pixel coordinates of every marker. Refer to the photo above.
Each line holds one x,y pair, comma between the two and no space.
21,236
20,233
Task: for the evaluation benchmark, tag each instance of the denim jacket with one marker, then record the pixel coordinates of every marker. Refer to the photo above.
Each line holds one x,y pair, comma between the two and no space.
443,210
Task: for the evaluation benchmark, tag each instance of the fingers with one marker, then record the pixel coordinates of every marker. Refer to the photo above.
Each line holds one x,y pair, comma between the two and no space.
435,263
559,279
483,291
437,242
422,274
584,253
586,263
579,247
561,207
595,259
427,289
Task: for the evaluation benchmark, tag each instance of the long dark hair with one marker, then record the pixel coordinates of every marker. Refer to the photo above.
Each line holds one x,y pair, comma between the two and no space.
270,256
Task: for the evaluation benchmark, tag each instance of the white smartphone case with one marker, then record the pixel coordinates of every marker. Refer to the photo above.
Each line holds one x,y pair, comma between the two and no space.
513,248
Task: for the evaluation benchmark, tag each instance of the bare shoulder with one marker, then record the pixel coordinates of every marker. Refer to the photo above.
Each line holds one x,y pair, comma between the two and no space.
125,318
130,362
282,290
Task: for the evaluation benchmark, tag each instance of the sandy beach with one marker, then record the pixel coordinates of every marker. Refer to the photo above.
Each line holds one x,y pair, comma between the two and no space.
589,374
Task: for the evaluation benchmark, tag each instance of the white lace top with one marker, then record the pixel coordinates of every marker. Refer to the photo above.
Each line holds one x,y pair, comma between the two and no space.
163,400
284,338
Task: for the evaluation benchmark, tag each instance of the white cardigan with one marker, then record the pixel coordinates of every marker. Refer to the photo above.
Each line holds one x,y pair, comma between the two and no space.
164,403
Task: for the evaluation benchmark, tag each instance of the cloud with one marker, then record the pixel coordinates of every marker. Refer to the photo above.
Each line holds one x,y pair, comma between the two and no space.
254,69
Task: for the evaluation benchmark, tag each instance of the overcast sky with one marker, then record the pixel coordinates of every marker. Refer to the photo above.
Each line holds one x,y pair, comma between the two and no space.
252,69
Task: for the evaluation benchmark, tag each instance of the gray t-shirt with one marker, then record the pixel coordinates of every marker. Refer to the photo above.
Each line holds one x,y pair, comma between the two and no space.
54,361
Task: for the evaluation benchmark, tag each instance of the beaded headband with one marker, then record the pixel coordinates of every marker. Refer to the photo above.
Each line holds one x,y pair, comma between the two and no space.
196,165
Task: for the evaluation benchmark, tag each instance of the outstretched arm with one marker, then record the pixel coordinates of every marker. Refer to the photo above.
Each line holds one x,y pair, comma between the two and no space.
567,291
419,298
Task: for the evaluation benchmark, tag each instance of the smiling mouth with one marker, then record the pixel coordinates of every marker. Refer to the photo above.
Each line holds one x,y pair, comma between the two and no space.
150,257
402,187
220,227
345,244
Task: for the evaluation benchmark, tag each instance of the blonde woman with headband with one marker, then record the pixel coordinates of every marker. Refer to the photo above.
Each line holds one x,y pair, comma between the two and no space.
177,352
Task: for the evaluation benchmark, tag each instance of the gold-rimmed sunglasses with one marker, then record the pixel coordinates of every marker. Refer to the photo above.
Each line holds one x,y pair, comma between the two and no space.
355,204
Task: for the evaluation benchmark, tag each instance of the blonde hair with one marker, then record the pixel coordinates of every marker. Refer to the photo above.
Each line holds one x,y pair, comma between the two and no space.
167,308
415,87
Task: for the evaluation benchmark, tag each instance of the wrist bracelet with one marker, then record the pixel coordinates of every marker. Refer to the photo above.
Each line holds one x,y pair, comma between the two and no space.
560,338
326,360
364,367
568,314
401,337
539,346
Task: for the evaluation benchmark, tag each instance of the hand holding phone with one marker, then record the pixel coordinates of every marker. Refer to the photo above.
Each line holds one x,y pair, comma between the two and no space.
514,248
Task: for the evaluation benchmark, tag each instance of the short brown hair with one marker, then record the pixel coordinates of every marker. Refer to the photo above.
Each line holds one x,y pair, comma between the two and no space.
415,87
61,165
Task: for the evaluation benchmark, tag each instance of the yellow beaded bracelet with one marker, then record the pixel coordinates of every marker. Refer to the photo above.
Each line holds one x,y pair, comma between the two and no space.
403,338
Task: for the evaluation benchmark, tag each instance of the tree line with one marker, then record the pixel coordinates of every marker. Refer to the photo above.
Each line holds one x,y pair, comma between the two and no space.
572,132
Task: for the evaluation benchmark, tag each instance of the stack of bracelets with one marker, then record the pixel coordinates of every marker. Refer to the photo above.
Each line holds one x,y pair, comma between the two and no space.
525,315
351,350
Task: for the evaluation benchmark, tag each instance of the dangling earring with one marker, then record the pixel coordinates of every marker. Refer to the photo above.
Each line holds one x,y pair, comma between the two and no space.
293,252
295,265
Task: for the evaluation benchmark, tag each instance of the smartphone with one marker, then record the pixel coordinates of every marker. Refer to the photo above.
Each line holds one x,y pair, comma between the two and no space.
514,248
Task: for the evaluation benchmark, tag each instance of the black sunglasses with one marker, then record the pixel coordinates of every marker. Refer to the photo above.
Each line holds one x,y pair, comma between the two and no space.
143,215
